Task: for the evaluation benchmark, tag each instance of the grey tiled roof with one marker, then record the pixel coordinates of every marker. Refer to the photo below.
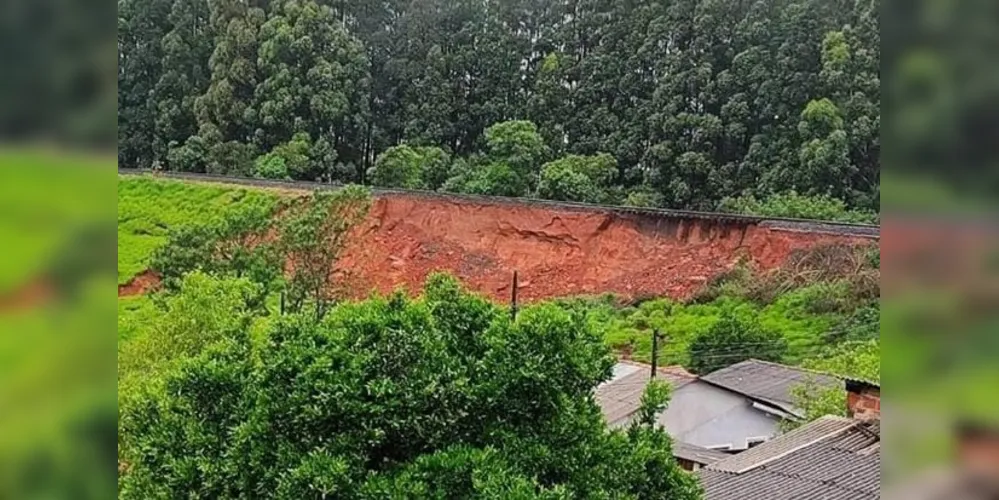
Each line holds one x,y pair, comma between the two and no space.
830,459
621,396
770,383
697,454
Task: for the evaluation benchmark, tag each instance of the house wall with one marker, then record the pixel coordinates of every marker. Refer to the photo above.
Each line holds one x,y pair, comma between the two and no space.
705,415
863,402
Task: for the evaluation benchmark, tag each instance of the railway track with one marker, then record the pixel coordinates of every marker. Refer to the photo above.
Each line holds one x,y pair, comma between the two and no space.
777,223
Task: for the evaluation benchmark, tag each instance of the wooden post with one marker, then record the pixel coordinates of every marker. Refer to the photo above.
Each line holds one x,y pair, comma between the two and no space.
513,298
282,302
655,351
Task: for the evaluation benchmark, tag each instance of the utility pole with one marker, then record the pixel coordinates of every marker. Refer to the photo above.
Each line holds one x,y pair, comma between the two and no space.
513,298
655,351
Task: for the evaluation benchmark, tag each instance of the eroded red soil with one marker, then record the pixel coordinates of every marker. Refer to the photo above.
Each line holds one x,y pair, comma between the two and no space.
557,252
145,282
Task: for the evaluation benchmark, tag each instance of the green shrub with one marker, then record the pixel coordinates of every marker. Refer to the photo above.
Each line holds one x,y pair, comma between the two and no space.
149,209
793,205
441,397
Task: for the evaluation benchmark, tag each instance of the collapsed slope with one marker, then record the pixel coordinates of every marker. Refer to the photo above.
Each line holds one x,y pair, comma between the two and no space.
559,251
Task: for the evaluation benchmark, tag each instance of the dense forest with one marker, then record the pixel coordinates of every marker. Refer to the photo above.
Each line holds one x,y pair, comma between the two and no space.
701,104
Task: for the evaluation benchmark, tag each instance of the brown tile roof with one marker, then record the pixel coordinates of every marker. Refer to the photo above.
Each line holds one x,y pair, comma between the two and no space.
769,383
621,396
832,458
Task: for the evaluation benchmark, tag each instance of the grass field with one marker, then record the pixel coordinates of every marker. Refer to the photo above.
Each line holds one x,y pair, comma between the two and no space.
44,197
148,208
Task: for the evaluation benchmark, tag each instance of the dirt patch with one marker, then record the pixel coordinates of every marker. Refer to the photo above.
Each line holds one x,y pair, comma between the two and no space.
142,283
558,252
28,296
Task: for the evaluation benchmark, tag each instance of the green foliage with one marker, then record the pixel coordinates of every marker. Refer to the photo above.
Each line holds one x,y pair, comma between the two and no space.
412,168
519,146
149,210
494,179
644,197
792,104
440,397
290,159
313,234
793,205
204,310
732,340
230,247
578,178
858,360
192,156
270,166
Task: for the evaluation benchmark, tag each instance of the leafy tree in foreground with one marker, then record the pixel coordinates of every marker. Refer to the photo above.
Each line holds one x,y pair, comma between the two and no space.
734,339
440,397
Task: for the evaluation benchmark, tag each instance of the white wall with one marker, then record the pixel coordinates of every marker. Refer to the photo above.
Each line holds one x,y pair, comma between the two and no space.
704,415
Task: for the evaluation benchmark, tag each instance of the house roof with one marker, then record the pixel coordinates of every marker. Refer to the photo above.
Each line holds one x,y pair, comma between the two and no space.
770,383
621,396
697,454
833,458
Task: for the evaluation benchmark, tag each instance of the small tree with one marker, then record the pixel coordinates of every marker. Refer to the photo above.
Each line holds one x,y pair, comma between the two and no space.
734,339
399,167
313,235
290,159
234,246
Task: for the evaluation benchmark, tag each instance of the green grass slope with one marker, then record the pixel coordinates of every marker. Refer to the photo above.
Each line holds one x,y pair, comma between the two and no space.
148,208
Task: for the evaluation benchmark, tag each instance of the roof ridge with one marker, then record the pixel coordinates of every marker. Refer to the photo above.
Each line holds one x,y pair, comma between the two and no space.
776,441
795,368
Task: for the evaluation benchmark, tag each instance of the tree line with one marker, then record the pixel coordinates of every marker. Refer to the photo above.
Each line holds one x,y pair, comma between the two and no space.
685,104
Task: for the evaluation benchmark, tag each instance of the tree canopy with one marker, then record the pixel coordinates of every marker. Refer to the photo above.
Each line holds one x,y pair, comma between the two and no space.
696,101
438,397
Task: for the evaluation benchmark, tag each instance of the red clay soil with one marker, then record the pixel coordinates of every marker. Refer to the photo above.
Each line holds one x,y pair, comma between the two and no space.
142,283
557,252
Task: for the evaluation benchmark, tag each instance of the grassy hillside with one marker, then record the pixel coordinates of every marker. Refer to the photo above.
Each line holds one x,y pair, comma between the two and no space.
822,304
149,208
45,197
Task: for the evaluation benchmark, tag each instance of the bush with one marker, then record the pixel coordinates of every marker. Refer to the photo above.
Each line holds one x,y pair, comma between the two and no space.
734,339
288,160
793,205
578,178
270,166
411,168
230,247
440,397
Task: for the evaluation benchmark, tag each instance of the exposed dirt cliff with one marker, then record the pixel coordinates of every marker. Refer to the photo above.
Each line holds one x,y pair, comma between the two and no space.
557,251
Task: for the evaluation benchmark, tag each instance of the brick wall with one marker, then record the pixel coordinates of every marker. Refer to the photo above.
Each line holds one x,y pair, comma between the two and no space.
863,400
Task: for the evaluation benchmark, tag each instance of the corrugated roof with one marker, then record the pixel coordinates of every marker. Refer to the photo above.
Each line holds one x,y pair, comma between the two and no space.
831,459
770,383
697,454
621,396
